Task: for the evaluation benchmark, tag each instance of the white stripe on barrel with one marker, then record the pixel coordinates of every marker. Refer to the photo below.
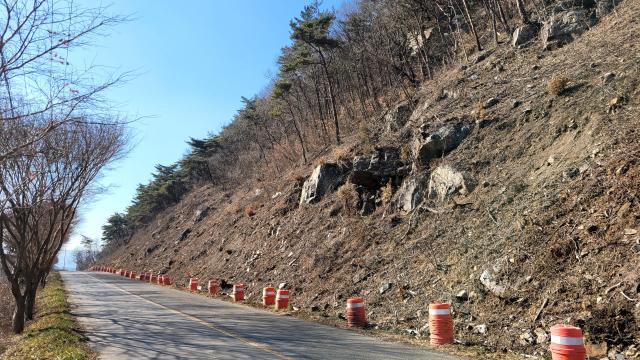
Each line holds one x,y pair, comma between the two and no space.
439,311
355,305
566,340
282,297
269,293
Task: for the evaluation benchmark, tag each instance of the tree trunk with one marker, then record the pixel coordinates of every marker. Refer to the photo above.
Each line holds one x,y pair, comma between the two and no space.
18,315
522,12
331,96
30,302
473,28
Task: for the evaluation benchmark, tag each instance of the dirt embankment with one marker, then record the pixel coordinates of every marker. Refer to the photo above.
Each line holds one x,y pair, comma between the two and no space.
548,234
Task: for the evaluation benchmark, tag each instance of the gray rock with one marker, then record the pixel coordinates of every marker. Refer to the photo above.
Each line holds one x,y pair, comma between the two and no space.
462,296
604,7
411,192
283,285
541,336
324,179
425,330
374,170
201,214
446,180
561,28
527,338
480,329
523,35
488,280
397,117
490,103
608,77
430,146
385,287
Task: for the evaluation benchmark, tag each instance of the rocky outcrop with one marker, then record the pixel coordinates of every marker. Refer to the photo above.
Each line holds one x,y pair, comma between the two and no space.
397,117
563,27
411,193
447,180
374,170
430,146
324,179
523,34
489,281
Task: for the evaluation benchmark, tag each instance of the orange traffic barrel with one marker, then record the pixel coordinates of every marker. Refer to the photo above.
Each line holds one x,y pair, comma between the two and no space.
193,284
567,343
132,275
213,287
440,324
282,299
153,278
161,279
356,312
126,273
238,292
166,280
141,277
268,296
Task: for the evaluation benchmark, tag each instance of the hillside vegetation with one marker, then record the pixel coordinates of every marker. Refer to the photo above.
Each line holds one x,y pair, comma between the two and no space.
503,181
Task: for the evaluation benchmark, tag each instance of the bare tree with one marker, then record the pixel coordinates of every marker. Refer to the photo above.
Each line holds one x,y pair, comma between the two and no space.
42,190
36,78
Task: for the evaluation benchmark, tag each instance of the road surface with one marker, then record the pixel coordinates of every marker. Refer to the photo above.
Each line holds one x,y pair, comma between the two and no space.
127,319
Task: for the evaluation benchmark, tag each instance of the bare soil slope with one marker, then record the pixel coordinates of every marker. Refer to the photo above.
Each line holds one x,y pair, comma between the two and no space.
554,220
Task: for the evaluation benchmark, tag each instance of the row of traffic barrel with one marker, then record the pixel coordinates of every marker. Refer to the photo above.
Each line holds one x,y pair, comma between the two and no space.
270,296
566,341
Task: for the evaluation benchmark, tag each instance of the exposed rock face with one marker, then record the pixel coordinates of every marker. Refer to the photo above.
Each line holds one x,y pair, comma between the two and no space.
397,117
523,34
488,280
561,28
446,180
374,170
324,179
431,146
411,193
604,7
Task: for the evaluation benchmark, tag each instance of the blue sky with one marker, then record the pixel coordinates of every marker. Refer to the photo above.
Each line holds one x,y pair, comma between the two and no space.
193,61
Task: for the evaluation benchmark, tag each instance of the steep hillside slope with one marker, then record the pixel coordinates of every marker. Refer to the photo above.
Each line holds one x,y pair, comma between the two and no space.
533,219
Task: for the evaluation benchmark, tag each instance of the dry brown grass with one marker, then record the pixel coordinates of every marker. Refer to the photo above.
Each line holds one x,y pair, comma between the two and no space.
557,84
349,196
6,310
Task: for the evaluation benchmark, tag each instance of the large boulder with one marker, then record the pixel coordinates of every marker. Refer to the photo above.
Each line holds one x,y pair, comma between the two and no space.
523,34
397,117
430,146
374,170
563,27
411,192
446,181
324,179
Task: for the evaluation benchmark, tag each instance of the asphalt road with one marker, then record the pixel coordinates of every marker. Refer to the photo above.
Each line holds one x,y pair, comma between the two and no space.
127,319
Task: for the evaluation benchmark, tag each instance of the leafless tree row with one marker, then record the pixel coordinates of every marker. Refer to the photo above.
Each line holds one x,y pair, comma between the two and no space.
56,136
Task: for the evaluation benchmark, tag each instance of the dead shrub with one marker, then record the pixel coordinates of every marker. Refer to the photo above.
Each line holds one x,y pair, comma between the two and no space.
349,196
405,154
478,110
249,211
557,84
386,193
364,136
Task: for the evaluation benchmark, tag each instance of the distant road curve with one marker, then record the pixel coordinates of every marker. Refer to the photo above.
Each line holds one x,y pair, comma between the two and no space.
127,319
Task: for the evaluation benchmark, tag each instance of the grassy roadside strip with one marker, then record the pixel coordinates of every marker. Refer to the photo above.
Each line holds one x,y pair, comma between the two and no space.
54,333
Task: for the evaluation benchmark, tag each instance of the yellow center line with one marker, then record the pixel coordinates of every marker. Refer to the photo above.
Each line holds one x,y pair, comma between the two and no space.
249,342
